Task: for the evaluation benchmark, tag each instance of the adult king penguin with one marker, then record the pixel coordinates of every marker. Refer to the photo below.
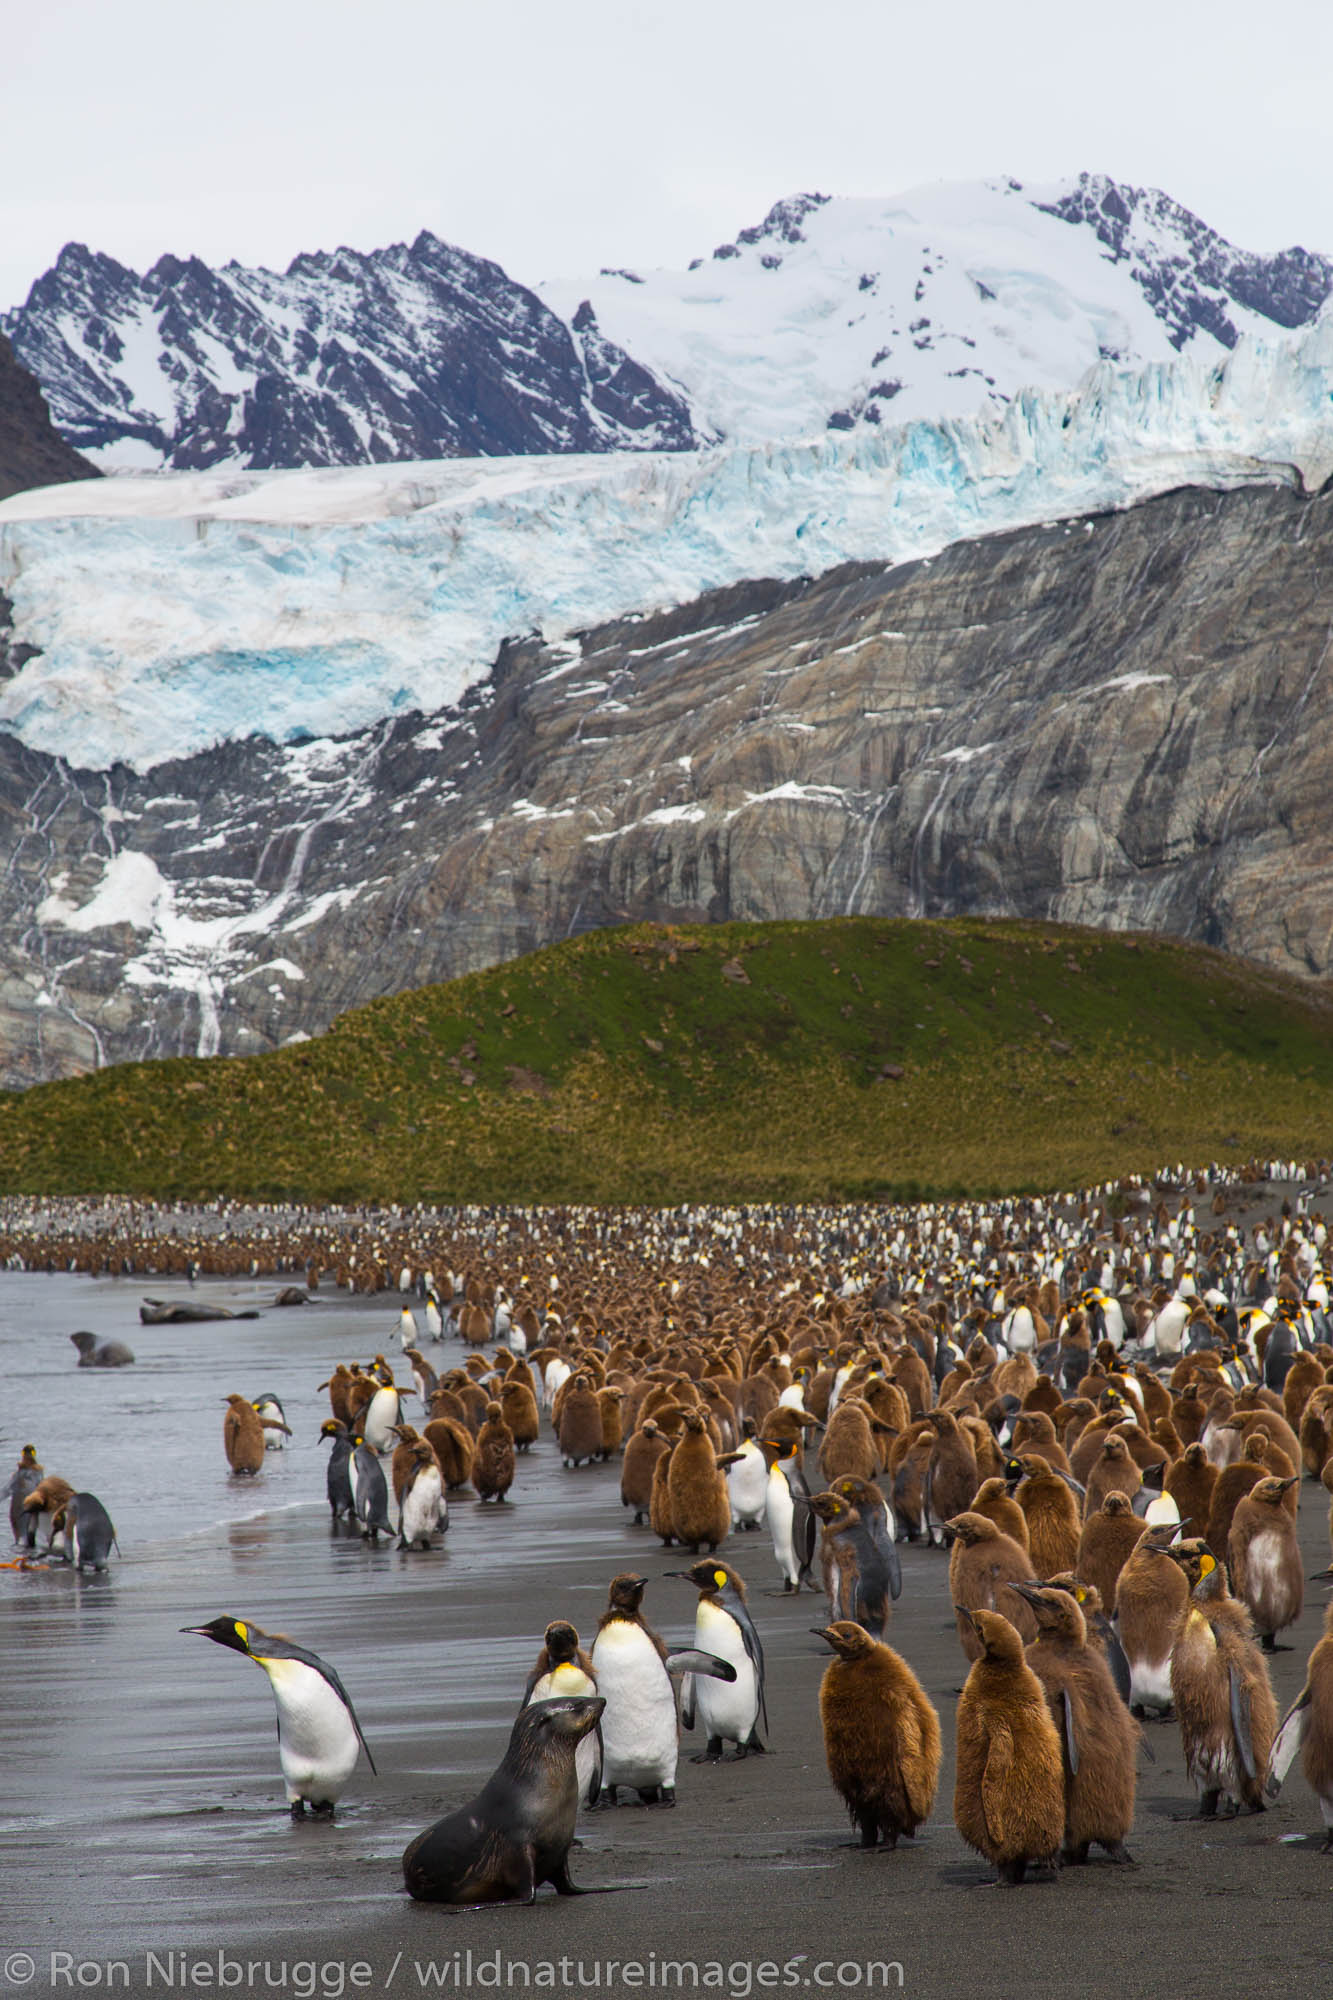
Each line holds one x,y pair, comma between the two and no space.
319,1736
730,1711
640,1731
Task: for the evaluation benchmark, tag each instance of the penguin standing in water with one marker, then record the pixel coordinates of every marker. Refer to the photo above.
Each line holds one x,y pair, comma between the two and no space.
270,1412
243,1431
89,1535
787,1511
370,1493
338,1479
640,1732
730,1711
27,1477
564,1669
319,1736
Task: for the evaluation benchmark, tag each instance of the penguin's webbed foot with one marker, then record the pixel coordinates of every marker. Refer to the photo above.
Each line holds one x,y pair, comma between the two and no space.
323,1808
1117,1851
298,1808
1327,1847
605,1800
1074,1857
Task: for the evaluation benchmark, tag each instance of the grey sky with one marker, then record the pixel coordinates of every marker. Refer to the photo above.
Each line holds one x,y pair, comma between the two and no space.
556,138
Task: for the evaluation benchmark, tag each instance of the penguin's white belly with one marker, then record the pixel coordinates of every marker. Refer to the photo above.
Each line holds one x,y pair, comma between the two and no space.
726,1708
1150,1682
640,1739
317,1745
423,1506
568,1679
780,1509
747,1487
381,1415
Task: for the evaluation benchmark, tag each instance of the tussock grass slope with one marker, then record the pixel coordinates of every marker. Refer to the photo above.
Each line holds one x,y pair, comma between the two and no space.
847,1059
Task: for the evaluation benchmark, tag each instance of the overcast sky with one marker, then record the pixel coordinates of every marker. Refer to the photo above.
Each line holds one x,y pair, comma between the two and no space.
560,137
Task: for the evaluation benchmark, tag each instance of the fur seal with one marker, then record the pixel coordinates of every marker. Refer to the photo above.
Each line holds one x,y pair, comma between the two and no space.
517,1832
104,1354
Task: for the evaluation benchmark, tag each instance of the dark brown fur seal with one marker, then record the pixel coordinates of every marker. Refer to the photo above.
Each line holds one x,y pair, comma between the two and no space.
517,1832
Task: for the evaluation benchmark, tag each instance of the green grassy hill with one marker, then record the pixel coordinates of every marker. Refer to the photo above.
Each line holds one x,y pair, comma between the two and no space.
852,1058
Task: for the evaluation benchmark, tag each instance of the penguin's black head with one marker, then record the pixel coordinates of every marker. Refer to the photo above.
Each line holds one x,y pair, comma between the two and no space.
233,1632
562,1642
708,1575
627,1592
28,1455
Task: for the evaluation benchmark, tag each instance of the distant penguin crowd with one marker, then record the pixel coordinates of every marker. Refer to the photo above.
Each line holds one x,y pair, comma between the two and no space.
1099,1408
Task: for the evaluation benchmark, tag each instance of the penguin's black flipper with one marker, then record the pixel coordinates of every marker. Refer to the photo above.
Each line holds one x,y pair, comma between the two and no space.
1071,1740
733,1602
894,1569
687,1702
802,1535
1240,1723
689,1660
1115,1656
275,1648
1287,1742
595,1781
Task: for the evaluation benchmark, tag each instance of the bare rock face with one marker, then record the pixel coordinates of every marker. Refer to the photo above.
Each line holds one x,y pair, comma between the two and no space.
32,451
1123,720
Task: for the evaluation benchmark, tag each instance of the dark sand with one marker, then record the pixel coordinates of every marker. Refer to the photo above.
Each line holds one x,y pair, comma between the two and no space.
143,1803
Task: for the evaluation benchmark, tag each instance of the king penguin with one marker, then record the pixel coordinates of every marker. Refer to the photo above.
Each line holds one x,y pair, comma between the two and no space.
730,1711
318,1733
563,1668
640,1731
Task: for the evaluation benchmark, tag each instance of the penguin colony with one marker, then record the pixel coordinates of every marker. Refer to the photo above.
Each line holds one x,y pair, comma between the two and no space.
1101,1408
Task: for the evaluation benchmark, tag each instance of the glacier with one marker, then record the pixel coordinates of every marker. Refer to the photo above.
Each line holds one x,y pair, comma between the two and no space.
168,613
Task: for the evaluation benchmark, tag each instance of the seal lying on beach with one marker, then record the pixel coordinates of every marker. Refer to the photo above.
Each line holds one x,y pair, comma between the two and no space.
517,1832
174,1312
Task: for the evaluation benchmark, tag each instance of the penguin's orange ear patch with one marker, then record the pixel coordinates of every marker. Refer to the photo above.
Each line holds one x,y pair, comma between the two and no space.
242,1632
720,1578
1207,1564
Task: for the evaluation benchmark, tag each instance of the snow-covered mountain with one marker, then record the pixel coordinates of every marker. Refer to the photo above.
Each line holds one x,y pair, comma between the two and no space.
831,314
154,618
417,351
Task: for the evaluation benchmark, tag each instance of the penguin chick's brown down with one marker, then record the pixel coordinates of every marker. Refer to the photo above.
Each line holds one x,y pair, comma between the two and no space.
243,1434
1264,1558
1220,1687
881,1735
696,1489
493,1462
1308,1727
1097,1734
982,1561
1009,1788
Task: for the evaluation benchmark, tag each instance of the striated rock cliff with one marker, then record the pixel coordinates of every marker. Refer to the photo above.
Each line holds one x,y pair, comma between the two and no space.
32,451
1120,720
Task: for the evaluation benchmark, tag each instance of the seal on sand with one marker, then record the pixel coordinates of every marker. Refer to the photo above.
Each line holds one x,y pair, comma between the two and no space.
517,1832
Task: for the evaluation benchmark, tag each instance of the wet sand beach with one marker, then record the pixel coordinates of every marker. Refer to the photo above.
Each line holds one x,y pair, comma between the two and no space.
144,1822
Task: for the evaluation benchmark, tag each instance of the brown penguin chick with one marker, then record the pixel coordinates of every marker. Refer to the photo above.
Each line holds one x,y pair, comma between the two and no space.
994,1500
1220,1687
493,1462
613,1432
981,1562
1108,1539
1233,1483
1264,1559
697,1489
1144,1451
1150,1601
1190,1482
1034,1431
1305,1375
1112,1471
989,1457
243,1434
1052,1512
951,1472
659,1498
909,1456
404,1458
48,1499
1043,1395
1188,1412
338,1385
1281,1437
579,1428
644,1449
912,1375
849,1443
1316,1430
1017,1376
1098,1737
448,1403
1009,1787
881,1735
1156,1397
1071,1418
1308,1727
520,1413
1165,1434
454,1448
